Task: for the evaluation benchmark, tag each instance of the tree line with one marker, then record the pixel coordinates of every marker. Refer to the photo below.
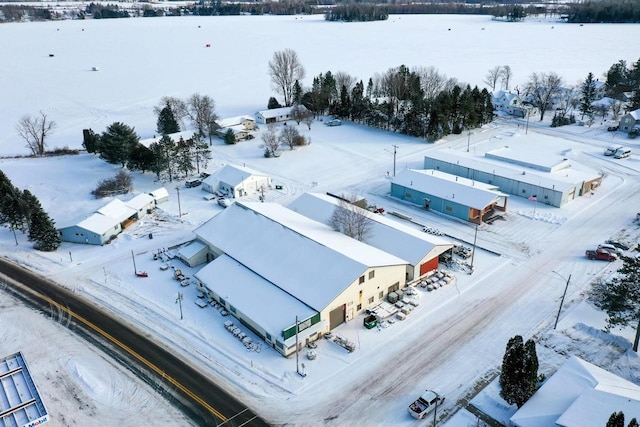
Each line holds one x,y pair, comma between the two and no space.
357,12
21,210
605,11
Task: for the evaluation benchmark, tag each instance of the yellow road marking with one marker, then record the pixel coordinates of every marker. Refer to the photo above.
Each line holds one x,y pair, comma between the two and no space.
139,357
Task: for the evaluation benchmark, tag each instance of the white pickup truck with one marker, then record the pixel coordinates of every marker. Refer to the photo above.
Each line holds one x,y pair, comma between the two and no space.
425,404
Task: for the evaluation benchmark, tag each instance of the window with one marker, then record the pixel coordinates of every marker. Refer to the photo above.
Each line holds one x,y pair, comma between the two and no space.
523,191
371,300
381,295
372,274
359,307
448,209
407,195
361,280
360,293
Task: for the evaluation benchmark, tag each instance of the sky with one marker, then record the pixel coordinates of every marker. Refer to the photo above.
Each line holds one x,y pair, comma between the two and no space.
455,338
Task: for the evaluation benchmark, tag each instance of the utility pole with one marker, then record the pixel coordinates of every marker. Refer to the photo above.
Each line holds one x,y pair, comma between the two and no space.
395,150
135,270
468,140
562,299
179,209
473,254
179,301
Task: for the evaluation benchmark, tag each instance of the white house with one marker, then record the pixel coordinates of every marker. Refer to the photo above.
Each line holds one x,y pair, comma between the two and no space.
509,103
160,195
579,394
96,229
142,203
247,122
277,114
236,181
175,137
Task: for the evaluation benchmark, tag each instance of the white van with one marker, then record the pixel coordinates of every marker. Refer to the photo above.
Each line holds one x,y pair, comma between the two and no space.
611,150
622,153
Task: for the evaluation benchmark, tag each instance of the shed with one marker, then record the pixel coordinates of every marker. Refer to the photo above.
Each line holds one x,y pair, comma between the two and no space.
119,210
160,195
194,253
236,181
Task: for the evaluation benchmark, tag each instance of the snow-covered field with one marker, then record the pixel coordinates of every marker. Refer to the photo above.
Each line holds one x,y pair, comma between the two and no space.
453,341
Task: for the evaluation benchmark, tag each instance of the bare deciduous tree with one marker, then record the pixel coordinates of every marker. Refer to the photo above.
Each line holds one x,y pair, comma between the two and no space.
505,76
542,88
433,82
201,110
308,119
351,220
616,107
298,113
271,141
288,136
492,77
344,79
35,131
285,68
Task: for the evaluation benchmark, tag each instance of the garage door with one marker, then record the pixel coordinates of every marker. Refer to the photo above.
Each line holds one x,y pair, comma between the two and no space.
336,317
432,264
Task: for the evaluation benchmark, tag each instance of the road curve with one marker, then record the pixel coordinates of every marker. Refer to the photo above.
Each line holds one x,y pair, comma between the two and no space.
202,400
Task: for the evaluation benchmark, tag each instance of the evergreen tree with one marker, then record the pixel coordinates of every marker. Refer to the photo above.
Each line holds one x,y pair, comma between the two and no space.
633,423
91,141
163,157
297,93
42,231
167,123
620,296
519,375
183,158
616,420
117,143
229,137
344,107
141,159
634,102
588,91
12,207
273,103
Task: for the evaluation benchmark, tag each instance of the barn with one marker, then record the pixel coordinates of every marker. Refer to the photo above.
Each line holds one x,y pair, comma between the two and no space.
97,229
236,181
422,251
272,265
451,195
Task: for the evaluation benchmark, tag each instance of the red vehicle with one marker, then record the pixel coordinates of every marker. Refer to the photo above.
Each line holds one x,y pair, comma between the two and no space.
601,254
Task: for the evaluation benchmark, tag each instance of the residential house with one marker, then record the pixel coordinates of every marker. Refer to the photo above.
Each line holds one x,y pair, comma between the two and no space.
630,120
275,115
236,181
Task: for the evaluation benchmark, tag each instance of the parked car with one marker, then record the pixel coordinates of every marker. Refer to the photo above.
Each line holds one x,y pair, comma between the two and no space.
602,255
192,183
611,150
425,404
618,244
612,128
334,122
610,248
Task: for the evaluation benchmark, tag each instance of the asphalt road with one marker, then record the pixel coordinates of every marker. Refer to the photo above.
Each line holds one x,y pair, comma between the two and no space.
202,400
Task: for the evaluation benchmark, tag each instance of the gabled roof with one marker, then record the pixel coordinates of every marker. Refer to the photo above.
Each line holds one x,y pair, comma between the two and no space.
140,201
159,193
117,209
460,190
175,137
98,223
385,234
635,114
232,175
302,257
233,121
579,394
276,112
266,304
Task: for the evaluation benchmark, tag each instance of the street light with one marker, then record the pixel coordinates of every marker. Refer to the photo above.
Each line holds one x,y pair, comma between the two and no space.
563,295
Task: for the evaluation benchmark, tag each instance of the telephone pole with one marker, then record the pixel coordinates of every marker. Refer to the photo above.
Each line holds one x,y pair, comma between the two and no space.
395,150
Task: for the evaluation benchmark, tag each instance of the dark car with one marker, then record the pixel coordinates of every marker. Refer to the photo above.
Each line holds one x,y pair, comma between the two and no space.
612,128
192,183
617,244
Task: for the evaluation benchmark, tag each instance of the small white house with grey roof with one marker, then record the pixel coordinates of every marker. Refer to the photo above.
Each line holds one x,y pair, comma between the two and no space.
275,115
421,250
452,195
272,264
630,120
236,181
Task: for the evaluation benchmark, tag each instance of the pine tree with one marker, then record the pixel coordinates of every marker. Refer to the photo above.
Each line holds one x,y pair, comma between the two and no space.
616,420
42,231
183,158
588,91
229,137
273,103
633,423
620,296
117,143
167,122
91,141
297,93
519,375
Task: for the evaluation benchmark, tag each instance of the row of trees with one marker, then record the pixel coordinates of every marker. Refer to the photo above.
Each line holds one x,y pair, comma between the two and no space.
119,144
620,11
622,78
357,12
21,210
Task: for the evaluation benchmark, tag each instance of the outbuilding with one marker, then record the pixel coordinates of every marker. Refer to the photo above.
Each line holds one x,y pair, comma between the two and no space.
120,211
461,198
97,229
160,195
142,203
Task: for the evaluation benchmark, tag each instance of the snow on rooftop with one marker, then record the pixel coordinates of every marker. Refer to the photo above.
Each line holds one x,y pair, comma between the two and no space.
275,112
465,191
302,257
534,159
233,121
99,223
232,175
191,249
20,401
175,137
117,209
386,234
563,180
140,201
580,395
262,301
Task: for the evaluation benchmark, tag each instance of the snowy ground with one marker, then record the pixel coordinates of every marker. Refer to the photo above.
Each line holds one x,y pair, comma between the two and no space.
453,341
